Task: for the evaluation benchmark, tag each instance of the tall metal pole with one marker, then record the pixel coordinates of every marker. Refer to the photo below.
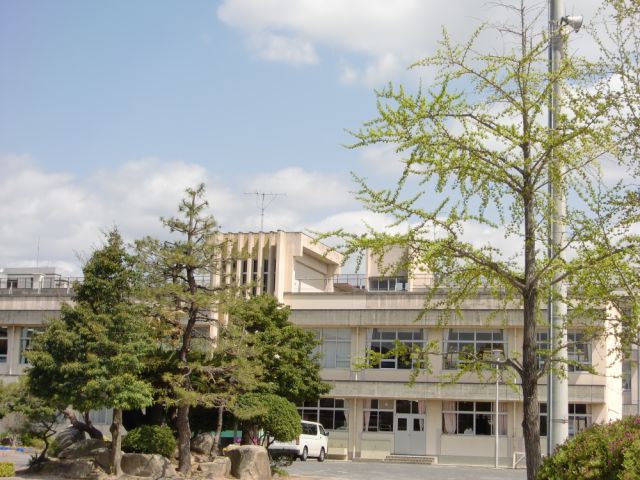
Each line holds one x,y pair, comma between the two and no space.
559,406
496,426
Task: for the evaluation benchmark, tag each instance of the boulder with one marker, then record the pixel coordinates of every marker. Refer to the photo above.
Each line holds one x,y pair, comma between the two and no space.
145,465
79,468
83,448
103,458
249,462
220,467
68,436
202,443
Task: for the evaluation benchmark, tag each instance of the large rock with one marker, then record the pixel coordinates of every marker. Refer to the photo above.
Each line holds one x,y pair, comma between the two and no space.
79,468
220,467
249,462
68,436
202,443
83,448
144,465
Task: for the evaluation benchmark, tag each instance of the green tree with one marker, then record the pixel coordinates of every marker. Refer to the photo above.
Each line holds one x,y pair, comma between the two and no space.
179,290
267,417
93,356
37,417
286,351
477,153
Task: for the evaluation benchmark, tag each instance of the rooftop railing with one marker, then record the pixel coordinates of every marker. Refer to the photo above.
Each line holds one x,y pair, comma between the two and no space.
38,283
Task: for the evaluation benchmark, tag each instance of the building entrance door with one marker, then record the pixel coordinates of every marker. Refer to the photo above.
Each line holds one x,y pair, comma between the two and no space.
410,438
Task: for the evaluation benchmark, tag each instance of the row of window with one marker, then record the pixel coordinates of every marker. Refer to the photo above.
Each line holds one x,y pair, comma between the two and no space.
397,348
458,417
26,337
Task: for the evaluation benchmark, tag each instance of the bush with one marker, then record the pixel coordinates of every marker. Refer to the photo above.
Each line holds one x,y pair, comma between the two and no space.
601,452
7,469
54,448
150,439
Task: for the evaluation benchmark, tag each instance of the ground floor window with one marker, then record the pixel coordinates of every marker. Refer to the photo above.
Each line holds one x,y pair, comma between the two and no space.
332,413
378,415
579,418
473,418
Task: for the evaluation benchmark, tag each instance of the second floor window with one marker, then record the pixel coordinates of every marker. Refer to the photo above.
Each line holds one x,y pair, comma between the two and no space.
4,344
335,347
578,350
395,347
26,339
461,344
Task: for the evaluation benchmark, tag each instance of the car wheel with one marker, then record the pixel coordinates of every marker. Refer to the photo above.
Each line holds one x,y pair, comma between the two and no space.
321,456
304,454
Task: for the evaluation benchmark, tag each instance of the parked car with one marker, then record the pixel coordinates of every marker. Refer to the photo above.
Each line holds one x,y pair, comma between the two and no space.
311,443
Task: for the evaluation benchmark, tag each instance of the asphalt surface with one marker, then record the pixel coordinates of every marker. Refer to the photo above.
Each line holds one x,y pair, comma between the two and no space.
334,470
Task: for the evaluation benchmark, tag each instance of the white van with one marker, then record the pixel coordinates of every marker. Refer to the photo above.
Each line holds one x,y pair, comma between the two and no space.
311,443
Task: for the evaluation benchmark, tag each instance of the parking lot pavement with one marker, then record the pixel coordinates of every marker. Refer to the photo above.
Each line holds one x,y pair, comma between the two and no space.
334,470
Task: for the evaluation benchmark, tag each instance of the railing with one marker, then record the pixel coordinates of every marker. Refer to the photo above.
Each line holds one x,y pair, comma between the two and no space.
357,283
37,282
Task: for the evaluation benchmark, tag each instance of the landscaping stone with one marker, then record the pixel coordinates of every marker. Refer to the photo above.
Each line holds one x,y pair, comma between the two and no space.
220,467
249,462
83,448
69,436
149,466
202,443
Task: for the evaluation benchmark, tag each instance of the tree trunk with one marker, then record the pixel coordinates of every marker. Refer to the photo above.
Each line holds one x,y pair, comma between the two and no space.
184,439
116,443
216,438
531,409
85,426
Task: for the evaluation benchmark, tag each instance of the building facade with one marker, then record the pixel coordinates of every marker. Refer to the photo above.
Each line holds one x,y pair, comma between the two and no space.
374,411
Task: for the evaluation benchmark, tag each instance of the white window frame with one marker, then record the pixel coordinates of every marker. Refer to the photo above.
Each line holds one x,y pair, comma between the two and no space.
26,338
4,337
383,340
576,348
577,421
472,342
476,414
335,407
374,410
333,341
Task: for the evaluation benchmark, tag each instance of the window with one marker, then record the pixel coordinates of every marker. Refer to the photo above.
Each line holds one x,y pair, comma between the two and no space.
472,418
579,418
385,341
4,344
383,284
12,283
330,412
335,347
101,417
578,350
542,343
626,373
462,343
26,337
378,415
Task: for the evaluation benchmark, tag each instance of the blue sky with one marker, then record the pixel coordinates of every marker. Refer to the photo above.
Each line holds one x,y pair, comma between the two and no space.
108,110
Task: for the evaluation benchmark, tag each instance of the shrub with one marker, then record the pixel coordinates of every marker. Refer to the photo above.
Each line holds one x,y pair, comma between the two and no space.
150,439
54,448
7,469
601,452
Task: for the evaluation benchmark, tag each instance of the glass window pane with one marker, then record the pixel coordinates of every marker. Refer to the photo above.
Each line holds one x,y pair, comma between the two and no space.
418,425
402,424
385,422
403,406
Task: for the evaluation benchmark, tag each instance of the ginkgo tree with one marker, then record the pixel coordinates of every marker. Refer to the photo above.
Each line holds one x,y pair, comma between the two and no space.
477,153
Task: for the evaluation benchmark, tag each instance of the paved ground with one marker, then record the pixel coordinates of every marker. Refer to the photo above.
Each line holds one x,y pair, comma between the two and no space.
334,470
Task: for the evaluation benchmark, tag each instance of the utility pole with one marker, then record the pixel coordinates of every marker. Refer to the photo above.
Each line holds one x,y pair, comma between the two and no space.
264,204
558,406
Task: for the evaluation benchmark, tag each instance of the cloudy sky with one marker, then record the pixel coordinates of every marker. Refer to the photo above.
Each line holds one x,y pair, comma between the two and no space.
109,110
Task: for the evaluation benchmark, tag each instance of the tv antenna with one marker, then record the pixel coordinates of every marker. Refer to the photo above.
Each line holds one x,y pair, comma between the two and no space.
265,199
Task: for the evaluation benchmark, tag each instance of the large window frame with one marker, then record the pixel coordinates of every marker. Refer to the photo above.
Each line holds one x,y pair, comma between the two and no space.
334,347
331,413
4,344
378,415
382,341
459,342
473,418
388,284
578,350
26,339
579,418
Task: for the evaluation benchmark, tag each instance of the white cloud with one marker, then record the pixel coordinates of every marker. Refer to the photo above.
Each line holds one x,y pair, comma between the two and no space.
68,213
380,37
